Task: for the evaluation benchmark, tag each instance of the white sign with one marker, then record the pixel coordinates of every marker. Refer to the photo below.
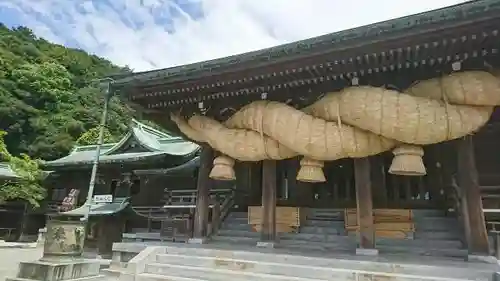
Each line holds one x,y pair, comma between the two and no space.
104,198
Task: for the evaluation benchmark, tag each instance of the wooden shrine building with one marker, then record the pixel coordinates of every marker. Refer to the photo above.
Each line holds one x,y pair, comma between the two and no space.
139,171
311,176
9,228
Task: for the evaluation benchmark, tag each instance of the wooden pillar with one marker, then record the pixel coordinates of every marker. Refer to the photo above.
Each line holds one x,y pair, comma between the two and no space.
255,182
469,184
379,181
268,227
291,172
202,197
364,206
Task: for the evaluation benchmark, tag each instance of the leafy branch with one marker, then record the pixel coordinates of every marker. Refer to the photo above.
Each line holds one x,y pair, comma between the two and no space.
29,185
92,136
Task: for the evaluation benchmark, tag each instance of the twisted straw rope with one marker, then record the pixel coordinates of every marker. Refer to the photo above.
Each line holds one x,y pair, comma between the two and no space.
489,85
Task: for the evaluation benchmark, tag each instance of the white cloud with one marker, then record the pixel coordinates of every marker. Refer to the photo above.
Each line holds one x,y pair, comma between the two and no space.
128,32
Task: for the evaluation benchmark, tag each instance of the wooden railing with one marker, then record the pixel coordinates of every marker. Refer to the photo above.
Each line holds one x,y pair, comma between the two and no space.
494,230
220,212
176,217
188,196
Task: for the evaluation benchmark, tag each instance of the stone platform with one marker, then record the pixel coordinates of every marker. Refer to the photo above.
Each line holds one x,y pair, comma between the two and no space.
59,270
235,262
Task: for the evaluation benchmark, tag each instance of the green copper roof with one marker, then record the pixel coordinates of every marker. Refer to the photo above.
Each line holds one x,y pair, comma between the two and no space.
6,172
101,209
152,143
406,27
189,166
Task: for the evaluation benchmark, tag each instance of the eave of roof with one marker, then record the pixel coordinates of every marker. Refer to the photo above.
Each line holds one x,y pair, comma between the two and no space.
158,144
187,167
100,209
6,172
430,20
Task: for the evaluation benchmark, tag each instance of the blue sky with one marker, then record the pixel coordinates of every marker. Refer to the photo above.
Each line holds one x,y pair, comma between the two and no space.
148,34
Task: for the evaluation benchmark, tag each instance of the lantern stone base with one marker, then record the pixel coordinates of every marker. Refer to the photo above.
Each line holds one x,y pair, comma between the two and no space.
62,270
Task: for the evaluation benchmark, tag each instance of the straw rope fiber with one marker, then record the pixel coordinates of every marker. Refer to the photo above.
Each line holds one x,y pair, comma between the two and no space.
355,122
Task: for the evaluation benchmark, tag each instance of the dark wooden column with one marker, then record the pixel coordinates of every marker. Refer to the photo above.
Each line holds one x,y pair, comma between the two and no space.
469,184
377,172
268,227
255,183
364,206
202,197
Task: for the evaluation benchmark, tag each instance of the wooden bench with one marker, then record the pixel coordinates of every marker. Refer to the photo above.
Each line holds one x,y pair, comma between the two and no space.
288,219
388,223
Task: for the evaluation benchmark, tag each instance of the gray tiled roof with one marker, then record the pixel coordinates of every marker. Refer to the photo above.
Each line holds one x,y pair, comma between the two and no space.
101,209
6,172
157,143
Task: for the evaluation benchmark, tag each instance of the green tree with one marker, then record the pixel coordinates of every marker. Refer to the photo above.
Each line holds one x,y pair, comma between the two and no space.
92,136
47,98
29,186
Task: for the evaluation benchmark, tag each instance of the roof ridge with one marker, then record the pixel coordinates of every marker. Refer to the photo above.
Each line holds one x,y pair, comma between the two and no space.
151,130
79,147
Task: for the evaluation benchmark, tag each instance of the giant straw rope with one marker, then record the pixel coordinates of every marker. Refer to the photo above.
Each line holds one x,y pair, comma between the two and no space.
355,122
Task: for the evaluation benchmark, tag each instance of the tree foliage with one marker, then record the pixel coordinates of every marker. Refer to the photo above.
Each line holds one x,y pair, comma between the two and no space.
91,137
47,98
29,186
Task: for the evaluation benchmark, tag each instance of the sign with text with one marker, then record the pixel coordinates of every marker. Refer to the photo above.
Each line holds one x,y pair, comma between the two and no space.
104,198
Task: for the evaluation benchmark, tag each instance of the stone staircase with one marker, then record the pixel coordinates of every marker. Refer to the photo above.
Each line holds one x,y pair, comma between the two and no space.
436,235
202,263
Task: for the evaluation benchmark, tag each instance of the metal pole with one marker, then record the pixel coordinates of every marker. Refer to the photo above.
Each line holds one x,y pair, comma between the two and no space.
93,175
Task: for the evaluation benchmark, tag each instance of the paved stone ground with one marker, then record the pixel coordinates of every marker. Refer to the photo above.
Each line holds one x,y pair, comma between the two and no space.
11,257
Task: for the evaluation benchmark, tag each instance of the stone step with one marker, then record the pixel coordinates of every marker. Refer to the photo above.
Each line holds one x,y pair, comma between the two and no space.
329,237
350,245
325,223
238,220
335,240
322,230
428,213
335,215
234,239
448,225
218,273
236,226
264,268
423,251
238,233
157,277
347,246
238,215
438,235
435,219
326,268
380,241
88,278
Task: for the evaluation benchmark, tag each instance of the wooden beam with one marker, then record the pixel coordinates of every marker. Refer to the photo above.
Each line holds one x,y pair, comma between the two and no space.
202,197
469,184
268,229
364,203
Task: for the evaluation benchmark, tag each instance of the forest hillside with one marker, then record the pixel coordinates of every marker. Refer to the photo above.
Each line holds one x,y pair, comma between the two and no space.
48,96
